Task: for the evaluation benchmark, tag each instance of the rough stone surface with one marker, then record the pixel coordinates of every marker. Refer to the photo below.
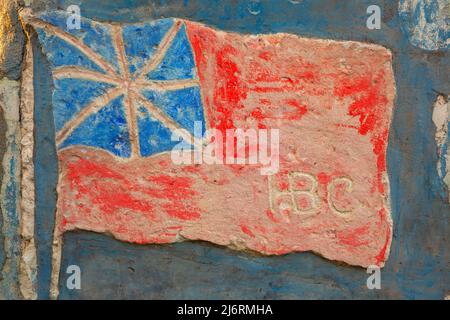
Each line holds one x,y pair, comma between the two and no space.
2,152
426,22
10,189
418,262
27,200
2,141
11,40
242,80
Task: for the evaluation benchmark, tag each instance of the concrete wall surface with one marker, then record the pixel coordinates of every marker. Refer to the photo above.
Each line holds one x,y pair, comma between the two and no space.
117,180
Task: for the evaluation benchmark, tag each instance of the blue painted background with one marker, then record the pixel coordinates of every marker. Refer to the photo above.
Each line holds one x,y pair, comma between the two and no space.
418,266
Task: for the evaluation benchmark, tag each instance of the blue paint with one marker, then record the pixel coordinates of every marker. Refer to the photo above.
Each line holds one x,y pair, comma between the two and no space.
135,36
2,254
417,266
184,106
443,159
96,36
9,285
202,271
178,62
60,53
72,95
106,129
46,169
154,137
2,153
426,23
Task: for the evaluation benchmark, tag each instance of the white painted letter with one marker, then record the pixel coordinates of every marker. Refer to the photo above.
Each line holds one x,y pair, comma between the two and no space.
374,281
74,281
74,19
374,20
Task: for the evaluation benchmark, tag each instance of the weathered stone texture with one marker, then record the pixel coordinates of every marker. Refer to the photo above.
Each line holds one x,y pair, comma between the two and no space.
11,40
9,192
426,23
417,267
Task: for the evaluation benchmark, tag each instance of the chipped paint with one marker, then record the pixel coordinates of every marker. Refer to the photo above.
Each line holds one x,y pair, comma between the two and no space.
170,203
2,152
426,22
10,188
27,199
441,119
193,270
414,268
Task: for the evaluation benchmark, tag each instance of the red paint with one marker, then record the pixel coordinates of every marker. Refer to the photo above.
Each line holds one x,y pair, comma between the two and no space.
379,148
271,215
229,90
247,231
323,178
386,227
299,110
369,103
181,211
355,237
333,123
87,177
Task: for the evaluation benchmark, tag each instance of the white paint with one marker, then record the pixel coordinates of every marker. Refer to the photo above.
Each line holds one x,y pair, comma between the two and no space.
441,119
292,192
427,32
27,200
331,190
374,281
74,19
9,102
374,20
74,280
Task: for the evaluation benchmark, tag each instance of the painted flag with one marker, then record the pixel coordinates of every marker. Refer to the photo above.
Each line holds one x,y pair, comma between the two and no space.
122,91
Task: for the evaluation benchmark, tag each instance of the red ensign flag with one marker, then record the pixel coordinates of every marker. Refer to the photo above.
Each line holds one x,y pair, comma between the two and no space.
331,101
